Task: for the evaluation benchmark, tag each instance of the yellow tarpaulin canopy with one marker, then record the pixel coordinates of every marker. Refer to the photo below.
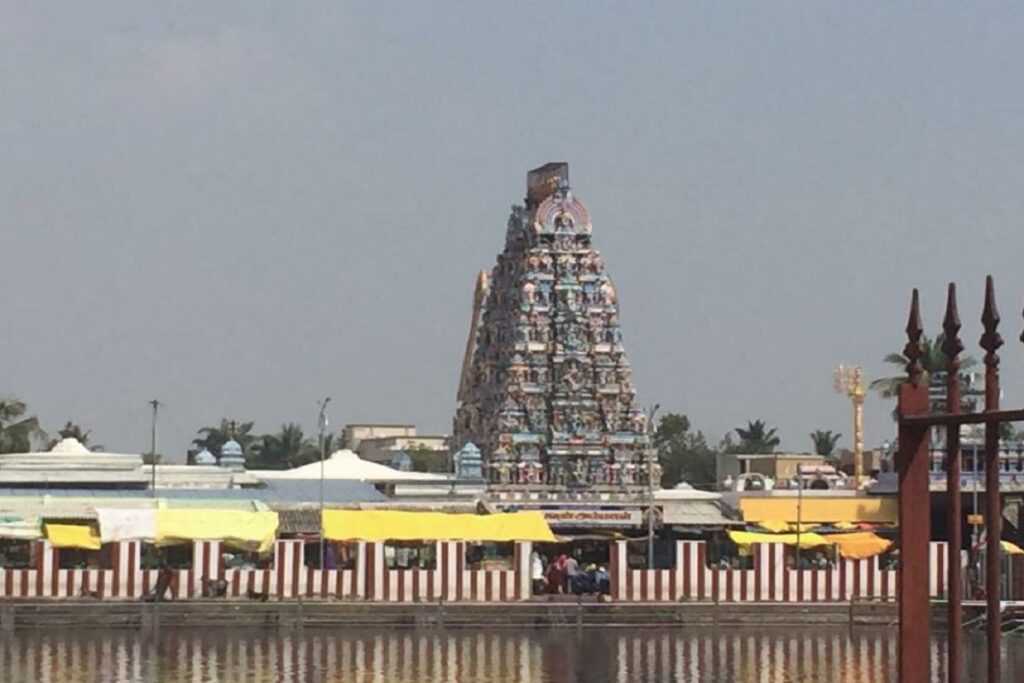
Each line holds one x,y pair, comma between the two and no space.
236,528
389,525
808,540
73,536
777,526
819,510
1011,548
858,546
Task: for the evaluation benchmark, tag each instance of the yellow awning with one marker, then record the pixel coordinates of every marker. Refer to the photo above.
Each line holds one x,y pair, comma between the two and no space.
747,538
73,536
777,526
858,546
390,525
820,510
236,528
1011,548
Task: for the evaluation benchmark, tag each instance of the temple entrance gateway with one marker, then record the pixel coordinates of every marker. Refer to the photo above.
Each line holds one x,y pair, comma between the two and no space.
546,391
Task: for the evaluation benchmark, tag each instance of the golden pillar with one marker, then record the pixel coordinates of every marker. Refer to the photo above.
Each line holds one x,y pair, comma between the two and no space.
850,381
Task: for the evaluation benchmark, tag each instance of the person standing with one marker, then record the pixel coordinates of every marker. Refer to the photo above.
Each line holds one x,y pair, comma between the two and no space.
572,569
556,575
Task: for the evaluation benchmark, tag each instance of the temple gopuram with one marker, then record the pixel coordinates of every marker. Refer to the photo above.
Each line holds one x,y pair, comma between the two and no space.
546,392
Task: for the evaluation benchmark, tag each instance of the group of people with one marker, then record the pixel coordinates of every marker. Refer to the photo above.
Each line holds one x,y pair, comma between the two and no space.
564,575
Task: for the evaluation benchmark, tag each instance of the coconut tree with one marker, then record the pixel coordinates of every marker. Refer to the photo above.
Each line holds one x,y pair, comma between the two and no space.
16,429
757,437
285,449
825,441
933,360
213,437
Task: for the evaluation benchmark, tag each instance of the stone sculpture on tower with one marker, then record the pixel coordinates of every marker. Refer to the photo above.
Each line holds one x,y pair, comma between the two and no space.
546,391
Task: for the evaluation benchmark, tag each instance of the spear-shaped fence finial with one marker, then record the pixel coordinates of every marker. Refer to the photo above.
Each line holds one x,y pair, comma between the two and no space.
990,338
951,344
914,350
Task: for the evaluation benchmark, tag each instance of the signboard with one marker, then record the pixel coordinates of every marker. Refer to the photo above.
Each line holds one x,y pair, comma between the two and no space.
584,517
975,520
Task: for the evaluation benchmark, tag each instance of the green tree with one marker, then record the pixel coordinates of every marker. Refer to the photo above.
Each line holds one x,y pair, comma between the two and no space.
286,449
426,459
757,438
212,438
17,430
933,360
684,455
825,441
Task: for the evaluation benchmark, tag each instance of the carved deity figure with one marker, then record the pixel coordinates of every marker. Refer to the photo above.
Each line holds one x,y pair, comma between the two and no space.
607,294
529,293
579,471
565,241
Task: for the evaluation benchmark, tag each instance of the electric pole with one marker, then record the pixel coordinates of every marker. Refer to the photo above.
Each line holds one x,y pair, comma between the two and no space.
322,422
152,448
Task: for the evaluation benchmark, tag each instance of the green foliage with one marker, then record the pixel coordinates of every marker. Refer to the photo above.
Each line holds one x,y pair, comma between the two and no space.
426,459
684,455
212,438
1010,434
286,449
825,441
933,360
757,438
16,429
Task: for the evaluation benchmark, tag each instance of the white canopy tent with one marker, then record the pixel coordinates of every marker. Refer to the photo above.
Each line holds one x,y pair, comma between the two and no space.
346,465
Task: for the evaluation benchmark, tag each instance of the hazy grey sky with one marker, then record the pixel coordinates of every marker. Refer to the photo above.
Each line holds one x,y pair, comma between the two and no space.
238,208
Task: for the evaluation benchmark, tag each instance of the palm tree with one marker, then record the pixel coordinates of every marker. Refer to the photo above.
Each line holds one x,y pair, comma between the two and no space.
285,449
16,430
757,438
824,441
933,360
212,438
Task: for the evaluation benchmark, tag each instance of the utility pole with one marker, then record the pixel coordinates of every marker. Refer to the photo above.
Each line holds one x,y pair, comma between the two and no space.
152,448
322,422
799,510
650,486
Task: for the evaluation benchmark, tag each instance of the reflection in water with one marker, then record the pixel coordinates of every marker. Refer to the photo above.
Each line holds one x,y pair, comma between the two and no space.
590,656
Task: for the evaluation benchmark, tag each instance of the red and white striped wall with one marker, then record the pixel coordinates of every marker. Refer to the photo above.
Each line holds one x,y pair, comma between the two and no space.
452,581
769,581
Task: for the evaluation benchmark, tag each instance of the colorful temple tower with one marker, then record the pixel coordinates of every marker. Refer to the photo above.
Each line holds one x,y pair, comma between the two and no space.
546,391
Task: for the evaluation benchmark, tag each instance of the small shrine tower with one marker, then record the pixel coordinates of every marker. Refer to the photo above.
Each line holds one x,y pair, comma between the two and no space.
546,391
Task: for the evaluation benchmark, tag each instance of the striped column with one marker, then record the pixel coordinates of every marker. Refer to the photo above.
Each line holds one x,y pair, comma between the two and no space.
290,579
619,570
524,586
938,572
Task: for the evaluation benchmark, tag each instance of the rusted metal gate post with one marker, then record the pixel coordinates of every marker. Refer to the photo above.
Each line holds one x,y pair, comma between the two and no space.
914,513
991,341
951,347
